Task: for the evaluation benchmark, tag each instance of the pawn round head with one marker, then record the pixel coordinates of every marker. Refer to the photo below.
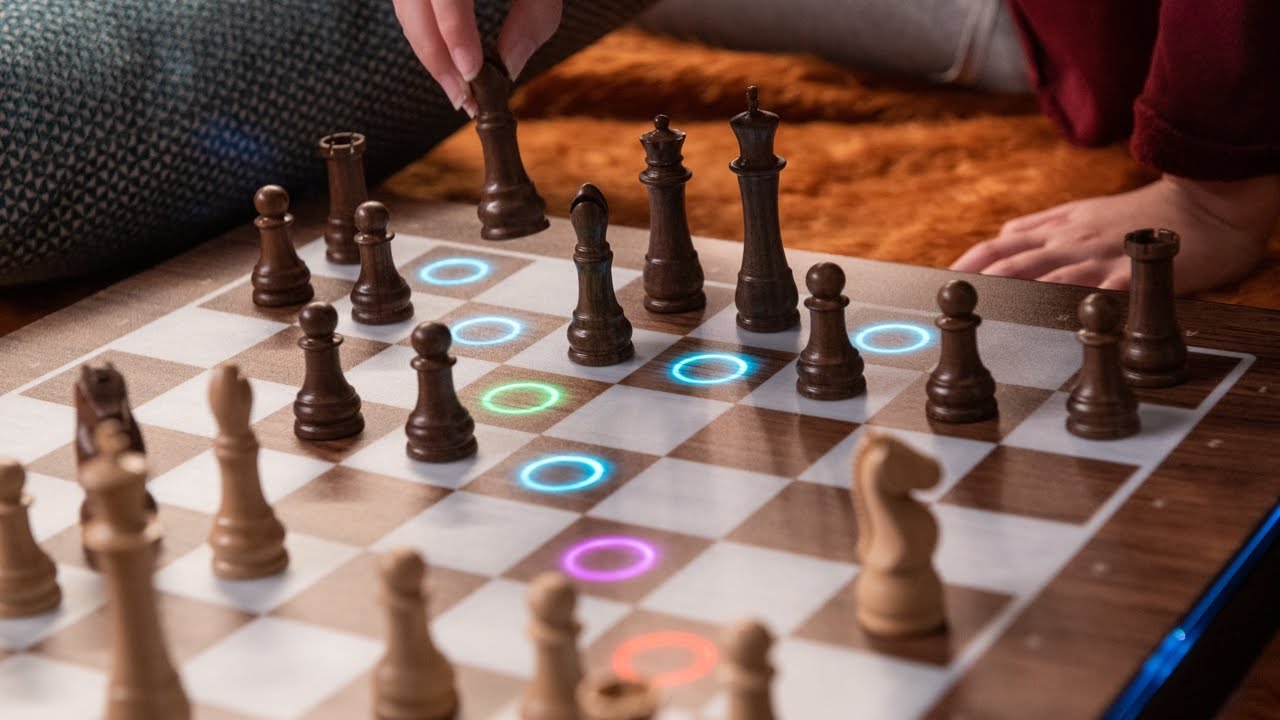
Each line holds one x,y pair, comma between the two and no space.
1098,313
403,571
431,339
552,598
12,477
271,201
372,217
825,281
747,642
957,297
318,320
662,123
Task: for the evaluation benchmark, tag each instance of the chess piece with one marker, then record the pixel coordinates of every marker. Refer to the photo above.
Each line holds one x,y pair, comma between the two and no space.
897,592
1101,405
960,388
745,671
28,578
343,154
143,683
380,295
599,333
327,407
550,695
766,296
510,206
439,429
246,538
1154,354
413,680
672,273
605,696
280,277
830,367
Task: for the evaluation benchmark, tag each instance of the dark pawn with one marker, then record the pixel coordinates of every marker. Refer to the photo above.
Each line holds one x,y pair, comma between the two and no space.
1155,354
380,296
672,273
599,333
766,296
960,389
830,367
510,206
327,407
1101,405
440,429
280,277
344,157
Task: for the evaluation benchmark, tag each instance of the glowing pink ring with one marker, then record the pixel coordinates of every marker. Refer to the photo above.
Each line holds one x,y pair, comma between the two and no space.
572,560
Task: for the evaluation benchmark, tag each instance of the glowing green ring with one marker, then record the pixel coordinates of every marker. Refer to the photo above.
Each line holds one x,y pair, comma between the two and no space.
489,399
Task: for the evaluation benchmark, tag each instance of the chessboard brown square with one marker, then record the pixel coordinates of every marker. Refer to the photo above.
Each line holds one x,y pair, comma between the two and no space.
762,364
764,440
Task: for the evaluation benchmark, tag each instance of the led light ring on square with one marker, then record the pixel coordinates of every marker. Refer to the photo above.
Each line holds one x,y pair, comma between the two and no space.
479,271
551,393
646,557
737,364
596,469
514,328
704,652
922,338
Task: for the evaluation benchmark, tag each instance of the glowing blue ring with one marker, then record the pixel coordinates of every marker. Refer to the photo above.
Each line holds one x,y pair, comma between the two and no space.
513,329
862,339
480,269
740,368
595,474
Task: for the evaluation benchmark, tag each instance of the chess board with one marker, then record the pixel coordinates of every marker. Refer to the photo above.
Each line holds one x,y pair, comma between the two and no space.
682,490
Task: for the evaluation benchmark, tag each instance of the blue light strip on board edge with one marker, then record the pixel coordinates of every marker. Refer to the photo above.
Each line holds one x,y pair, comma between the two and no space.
1175,646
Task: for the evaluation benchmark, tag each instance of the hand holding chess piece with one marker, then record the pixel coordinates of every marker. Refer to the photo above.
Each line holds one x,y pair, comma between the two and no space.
510,206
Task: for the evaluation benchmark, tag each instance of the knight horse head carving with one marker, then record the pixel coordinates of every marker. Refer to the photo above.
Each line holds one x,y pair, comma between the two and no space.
100,394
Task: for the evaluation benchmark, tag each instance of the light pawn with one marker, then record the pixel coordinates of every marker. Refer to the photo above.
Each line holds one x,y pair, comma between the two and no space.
413,680
28,578
553,629
745,671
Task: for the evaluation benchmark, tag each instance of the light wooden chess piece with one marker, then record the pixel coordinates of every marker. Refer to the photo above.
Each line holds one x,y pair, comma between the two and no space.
143,684
246,537
897,592
28,578
608,697
557,666
413,680
745,671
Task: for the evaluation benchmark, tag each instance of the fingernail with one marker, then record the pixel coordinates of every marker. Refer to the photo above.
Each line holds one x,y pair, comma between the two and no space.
454,89
467,64
517,57
470,106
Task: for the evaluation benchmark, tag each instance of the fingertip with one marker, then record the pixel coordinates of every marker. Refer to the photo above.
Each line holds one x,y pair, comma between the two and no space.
468,60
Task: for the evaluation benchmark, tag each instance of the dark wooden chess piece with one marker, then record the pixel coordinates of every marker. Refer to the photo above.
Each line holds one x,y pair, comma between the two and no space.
440,429
672,273
28,577
830,367
1101,405
1155,354
510,206
599,333
327,407
280,277
766,296
344,157
380,295
960,388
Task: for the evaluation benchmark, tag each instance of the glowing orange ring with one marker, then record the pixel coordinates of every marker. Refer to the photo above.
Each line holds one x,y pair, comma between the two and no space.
703,650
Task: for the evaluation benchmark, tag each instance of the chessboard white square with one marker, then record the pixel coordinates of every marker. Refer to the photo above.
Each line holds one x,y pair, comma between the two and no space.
546,285
82,593
822,682
999,551
40,688
313,255
723,327
551,354
186,407
387,377
477,533
55,504
277,668
407,248
310,558
731,580
33,428
425,309
387,456
690,497
883,385
1028,355
197,336
197,483
488,629
957,456
1163,427
646,421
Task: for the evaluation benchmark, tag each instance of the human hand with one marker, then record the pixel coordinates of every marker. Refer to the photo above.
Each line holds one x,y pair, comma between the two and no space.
444,36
